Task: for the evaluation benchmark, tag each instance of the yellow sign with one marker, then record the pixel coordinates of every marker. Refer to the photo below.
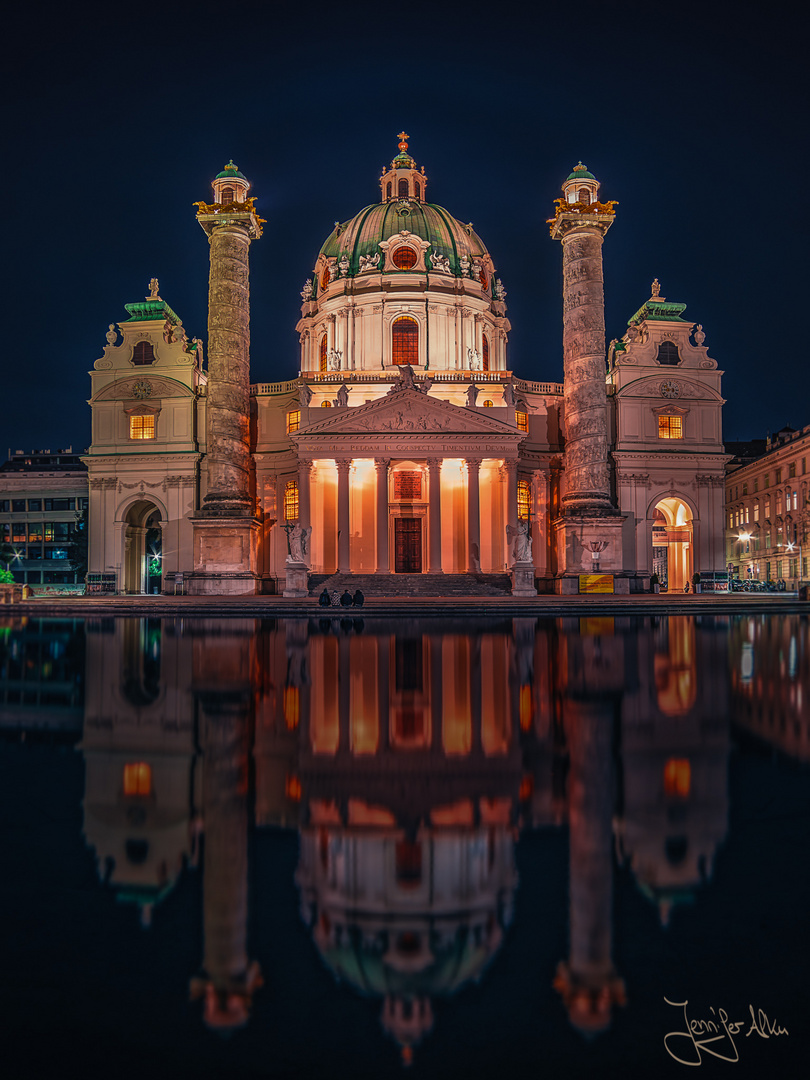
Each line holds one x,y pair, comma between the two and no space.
596,583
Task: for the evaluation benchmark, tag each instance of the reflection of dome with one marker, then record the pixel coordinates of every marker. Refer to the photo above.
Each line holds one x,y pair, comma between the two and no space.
362,234
405,921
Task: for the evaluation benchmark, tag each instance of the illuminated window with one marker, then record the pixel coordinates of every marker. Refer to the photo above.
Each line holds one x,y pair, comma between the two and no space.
488,404
522,420
324,278
670,427
404,258
482,277
668,353
402,189
142,427
292,787
584,196
143,353
677,778
405,341
326,404
293,421
137,779
526,707
322,357
524,500
485,351
291,501
767,508
292,707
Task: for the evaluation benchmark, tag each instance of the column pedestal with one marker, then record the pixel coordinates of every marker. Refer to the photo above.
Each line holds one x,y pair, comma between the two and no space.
225,556
572,537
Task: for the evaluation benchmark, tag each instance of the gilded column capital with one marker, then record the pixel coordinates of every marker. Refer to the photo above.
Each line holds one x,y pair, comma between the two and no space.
381,463
343,466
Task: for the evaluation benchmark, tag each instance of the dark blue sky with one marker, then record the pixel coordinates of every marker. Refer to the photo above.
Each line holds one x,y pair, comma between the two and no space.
692,118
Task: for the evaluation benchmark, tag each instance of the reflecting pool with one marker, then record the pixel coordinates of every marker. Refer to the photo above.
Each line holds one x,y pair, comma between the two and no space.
348,847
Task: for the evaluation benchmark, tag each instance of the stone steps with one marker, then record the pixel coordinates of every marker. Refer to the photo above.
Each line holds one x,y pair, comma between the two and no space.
413,585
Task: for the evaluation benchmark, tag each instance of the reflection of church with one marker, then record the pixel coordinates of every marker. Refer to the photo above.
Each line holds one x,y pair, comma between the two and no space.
407,445
408,760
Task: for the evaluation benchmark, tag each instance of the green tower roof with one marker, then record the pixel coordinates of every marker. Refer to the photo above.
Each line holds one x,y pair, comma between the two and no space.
580,172
230,172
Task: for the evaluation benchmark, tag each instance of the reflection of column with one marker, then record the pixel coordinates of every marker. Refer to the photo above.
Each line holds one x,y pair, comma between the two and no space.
435,515
381,465
473,514
344,696
588,983
230,979
383,689
436,707
344,564
304,472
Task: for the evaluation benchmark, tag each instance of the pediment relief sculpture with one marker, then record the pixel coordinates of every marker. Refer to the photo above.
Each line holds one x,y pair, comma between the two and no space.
139,387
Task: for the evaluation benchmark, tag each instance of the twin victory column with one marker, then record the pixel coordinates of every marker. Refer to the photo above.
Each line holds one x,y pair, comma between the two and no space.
226,531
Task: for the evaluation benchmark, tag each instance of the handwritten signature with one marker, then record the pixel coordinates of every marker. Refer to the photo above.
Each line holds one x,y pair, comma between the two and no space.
717,1035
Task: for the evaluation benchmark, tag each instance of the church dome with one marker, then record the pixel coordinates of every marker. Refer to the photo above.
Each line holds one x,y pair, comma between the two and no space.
362,234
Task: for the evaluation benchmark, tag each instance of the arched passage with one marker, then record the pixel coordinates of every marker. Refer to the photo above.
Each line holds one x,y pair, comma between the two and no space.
142,548
673,542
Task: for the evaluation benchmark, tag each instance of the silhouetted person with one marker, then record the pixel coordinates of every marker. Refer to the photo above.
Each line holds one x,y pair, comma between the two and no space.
359,599
323,599
346,599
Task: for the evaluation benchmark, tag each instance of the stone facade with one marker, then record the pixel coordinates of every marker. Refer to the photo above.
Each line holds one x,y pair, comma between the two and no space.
406,445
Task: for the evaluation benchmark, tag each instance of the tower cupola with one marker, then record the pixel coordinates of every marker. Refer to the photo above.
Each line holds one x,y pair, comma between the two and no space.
581,186
230,186
402,179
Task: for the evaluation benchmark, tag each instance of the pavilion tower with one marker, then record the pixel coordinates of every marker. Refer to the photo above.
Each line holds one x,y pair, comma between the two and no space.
226,529
588,514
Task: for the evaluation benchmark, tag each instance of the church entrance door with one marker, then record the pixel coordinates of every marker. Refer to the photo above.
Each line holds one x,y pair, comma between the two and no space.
408,545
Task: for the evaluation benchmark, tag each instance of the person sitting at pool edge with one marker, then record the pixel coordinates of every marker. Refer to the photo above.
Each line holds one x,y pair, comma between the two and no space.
323,599
346,599
359,599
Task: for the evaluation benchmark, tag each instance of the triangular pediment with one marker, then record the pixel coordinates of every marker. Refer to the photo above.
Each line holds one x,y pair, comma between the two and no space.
405,411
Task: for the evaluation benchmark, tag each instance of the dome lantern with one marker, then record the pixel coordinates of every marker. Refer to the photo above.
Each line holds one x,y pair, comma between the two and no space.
581,186
230,186
402,179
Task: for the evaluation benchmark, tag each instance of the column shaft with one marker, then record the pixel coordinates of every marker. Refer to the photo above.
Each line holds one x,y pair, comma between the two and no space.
383,565
304,471
511,501
344,551
435,515
227,445
473,514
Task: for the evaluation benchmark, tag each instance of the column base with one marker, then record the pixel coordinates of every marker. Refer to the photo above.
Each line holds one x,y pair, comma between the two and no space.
297,583
522,574
225,556
573,535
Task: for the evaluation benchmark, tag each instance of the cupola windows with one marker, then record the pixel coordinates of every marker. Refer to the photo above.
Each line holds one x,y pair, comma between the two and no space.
405,341
143,353
668,354
404,258
388,191
228,195
402,189
584,196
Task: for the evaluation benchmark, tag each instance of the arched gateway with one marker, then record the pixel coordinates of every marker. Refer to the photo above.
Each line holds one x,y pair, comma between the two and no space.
142,548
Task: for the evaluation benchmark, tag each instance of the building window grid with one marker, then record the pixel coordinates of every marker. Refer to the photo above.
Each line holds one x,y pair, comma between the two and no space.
524,500
405,341
142,427
291,500
670,427
522,420
293,420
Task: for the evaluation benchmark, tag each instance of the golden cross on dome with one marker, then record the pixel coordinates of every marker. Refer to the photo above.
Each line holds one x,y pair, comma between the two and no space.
403,144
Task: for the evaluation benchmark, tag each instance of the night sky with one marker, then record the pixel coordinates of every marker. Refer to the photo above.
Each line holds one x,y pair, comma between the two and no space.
118,119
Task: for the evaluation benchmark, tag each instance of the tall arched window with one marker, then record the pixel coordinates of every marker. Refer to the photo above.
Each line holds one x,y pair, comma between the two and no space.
324,278
402,189
418,190
143,353
388,190
485,351
405,341
322,355
291,501
524,500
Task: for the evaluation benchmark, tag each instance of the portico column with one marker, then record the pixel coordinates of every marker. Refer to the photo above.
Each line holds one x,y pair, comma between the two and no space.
304,471
344,565
381,465
511,497
434,515
473,514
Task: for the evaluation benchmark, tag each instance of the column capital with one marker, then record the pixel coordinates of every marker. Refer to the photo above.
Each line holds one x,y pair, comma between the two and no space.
305,464
434,462
343,465
473,462
382,462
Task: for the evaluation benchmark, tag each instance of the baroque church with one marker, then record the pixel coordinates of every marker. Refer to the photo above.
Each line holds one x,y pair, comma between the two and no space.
407,445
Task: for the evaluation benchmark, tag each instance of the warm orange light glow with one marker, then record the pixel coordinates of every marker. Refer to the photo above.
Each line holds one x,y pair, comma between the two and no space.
362,469
526,787
141,427
522,420
292,707
137,779
363,813
526,707
670,427
457,813
677,778
495,811
293,420
292,787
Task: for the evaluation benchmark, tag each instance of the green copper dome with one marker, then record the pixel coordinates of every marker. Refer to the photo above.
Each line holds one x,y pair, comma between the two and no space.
362,233
580,172
230,172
